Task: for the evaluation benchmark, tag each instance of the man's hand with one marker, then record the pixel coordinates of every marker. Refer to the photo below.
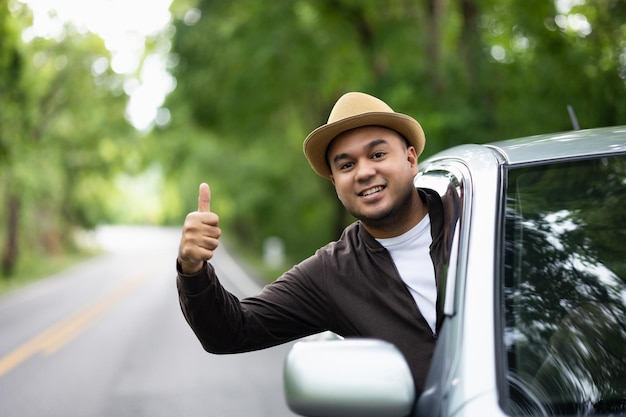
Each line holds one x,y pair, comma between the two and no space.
200,234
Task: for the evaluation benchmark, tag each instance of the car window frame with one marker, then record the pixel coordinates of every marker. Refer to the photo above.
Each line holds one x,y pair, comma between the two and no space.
438,176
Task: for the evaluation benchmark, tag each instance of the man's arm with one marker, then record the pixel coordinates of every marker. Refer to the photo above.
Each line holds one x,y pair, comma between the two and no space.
210,310
289,308
223,323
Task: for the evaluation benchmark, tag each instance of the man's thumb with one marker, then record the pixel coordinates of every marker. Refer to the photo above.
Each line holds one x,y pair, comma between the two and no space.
204,197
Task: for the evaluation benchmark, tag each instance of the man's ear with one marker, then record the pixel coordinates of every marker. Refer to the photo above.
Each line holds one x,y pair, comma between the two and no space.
411,155
412,159
332,179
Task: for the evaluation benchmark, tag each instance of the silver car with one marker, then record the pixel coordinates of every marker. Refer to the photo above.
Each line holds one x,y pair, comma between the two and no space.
535,299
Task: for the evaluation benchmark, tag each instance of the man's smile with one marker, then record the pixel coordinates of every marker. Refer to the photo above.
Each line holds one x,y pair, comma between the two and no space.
371,191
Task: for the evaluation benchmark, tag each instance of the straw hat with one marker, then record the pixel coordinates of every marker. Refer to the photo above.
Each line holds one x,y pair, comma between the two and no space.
354,110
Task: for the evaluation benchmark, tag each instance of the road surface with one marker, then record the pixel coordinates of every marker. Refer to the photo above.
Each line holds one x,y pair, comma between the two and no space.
107,338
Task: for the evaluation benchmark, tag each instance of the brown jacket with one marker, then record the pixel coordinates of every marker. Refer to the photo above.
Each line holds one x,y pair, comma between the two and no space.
350,287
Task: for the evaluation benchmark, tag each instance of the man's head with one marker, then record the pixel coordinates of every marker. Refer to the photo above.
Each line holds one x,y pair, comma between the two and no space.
370,155
372,169
354,110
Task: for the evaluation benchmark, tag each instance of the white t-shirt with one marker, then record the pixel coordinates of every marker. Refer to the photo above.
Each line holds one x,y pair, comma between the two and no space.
410,253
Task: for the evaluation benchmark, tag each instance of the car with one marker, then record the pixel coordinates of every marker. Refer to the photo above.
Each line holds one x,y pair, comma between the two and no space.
535,292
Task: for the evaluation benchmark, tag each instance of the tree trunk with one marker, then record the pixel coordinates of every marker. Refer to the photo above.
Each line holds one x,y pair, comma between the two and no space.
469,43
435,10
11,252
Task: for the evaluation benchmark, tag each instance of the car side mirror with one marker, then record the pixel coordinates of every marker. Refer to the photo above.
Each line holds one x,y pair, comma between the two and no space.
353,377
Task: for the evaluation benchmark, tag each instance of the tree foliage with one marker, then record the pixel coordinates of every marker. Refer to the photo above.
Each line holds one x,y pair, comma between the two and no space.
62,135
253,78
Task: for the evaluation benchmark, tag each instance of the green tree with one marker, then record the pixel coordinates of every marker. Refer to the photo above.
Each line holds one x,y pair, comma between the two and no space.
11,101
63,134
253,78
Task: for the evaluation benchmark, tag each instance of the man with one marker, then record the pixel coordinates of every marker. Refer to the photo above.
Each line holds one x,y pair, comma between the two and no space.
379,280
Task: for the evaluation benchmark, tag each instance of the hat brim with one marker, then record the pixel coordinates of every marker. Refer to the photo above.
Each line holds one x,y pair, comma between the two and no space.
316,144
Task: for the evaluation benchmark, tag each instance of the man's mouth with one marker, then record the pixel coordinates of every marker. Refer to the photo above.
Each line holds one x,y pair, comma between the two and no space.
371,191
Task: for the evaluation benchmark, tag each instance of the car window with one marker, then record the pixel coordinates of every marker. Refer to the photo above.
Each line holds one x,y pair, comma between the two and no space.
449,182
564,288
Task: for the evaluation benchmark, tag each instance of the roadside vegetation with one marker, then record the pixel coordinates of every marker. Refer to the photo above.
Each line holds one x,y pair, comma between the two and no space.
252,79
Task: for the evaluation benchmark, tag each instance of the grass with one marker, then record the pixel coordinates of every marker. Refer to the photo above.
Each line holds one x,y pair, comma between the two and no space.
28,271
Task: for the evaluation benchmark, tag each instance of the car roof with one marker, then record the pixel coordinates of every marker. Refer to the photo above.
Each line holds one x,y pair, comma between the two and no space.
563,145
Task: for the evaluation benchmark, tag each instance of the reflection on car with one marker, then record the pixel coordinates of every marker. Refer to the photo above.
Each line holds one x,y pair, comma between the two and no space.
564,285
535,298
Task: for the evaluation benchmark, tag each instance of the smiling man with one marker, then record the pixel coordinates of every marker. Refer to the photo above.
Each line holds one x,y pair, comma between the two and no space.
381,279
372,171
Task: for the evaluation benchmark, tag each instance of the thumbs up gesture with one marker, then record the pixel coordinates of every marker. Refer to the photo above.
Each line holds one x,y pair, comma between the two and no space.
200,234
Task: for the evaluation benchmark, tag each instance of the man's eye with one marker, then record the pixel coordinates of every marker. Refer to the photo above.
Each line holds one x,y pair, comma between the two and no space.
378,155
347,165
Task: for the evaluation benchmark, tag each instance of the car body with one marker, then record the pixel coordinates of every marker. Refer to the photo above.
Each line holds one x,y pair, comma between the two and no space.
535,297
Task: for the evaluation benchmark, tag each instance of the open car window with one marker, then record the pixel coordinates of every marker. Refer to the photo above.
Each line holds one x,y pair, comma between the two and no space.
564,288
451,181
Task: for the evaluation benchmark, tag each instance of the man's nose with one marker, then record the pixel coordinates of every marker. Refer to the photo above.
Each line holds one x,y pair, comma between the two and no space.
365,170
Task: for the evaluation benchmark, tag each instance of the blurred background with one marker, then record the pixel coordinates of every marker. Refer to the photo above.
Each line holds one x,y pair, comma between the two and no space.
112,112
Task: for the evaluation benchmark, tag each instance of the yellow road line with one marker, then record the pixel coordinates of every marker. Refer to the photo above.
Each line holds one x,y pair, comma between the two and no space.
60,334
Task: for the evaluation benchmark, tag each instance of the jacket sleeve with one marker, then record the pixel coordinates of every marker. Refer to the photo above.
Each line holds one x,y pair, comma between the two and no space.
291,307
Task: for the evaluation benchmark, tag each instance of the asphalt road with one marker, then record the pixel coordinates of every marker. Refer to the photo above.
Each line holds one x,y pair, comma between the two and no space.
107,338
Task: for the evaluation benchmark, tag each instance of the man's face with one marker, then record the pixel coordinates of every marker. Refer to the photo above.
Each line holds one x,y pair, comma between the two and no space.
372,169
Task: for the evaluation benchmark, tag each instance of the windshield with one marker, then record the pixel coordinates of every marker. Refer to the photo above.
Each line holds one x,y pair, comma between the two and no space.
564,292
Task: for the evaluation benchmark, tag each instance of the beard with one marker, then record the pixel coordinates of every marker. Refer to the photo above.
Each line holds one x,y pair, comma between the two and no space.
394,215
